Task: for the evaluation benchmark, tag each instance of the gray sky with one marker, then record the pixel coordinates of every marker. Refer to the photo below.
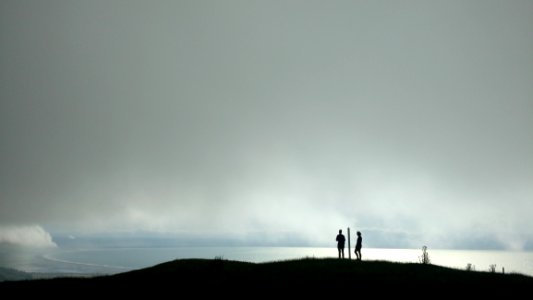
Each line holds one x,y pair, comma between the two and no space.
408,120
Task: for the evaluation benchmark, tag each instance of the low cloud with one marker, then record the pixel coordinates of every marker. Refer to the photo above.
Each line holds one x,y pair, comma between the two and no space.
28,235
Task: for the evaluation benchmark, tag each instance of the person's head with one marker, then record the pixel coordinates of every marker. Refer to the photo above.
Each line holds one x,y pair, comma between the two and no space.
359,233
340,231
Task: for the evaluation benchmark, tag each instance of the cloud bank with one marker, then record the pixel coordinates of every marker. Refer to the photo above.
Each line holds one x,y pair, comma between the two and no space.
410,120
28,236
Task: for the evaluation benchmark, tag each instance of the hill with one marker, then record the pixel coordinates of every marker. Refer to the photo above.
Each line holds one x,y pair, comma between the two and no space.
303,277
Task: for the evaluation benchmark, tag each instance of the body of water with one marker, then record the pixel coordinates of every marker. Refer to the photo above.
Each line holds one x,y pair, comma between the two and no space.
116,260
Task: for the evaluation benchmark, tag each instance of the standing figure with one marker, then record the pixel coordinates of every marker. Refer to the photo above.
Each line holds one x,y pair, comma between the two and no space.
358,246
340,243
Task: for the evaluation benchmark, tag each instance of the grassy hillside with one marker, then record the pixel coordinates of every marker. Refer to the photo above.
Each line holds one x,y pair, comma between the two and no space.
303,277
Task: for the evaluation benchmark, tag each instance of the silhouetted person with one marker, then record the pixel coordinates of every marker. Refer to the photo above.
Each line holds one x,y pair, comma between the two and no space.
340,243
358,246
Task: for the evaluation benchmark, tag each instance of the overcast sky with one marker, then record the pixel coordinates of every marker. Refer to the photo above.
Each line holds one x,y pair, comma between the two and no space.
411,121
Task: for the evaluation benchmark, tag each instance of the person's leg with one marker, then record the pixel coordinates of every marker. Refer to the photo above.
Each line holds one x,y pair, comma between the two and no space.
342,252
339,249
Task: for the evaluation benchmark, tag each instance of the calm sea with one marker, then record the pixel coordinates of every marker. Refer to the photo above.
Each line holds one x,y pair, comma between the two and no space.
116,260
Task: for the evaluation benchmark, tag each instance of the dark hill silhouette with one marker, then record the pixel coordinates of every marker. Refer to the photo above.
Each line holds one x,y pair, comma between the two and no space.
303,277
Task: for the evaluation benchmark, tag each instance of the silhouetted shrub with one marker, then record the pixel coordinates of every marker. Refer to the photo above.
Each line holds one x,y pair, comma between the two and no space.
424,258
492,268
470,267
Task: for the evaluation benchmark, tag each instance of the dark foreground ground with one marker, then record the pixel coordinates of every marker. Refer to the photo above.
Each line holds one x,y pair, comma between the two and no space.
309,277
